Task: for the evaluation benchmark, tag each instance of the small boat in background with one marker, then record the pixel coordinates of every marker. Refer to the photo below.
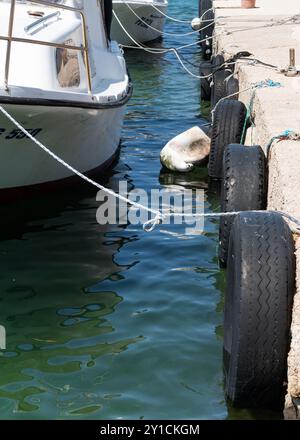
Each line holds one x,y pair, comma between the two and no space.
143,20
67,84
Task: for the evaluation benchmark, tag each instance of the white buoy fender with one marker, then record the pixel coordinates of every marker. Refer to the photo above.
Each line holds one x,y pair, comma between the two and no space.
186,150
196,24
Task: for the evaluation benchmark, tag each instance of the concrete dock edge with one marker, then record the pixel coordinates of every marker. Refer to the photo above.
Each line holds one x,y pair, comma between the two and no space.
274,110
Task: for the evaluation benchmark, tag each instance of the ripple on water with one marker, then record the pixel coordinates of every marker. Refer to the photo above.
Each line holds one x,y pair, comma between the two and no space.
110,322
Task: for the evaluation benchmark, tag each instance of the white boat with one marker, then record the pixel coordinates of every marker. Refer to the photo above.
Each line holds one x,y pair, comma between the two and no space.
138,21
64,80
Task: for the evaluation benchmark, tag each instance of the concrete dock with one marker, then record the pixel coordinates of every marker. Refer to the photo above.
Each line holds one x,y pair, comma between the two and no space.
263,33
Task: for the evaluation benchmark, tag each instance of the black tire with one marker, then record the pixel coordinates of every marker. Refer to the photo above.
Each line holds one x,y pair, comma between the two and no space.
205,89
206,68
232,88
207,129
244,188
227,128
258,310
218,61
206,34
218,89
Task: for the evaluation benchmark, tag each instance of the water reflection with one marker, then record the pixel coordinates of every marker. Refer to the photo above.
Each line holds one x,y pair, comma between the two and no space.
197,179
110,322
53,256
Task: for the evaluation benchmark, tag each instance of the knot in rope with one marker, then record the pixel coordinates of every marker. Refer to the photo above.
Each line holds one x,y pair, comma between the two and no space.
151,224
267,83
288,134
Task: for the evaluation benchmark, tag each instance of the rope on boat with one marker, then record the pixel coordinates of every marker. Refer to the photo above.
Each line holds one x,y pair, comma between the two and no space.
294,19
153,50
157,50
162,49
162,32
180,58
171,18
159,216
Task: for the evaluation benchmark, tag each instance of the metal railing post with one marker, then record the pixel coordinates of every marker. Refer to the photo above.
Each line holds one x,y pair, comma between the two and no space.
86,53
10,39
9,42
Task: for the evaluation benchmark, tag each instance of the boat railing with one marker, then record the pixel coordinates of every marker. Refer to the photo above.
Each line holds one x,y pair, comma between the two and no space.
11,39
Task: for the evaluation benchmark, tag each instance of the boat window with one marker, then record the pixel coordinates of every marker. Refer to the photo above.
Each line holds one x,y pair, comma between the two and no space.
108,7
67,66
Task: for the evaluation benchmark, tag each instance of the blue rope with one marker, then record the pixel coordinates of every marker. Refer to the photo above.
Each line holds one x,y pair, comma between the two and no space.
288,134
285,135
267,83
262,84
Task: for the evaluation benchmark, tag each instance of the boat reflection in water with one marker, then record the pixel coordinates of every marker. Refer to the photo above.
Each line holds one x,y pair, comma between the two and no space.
57,330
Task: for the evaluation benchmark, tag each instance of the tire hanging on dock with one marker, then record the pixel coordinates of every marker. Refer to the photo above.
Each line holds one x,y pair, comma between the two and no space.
219,86
218,61
232,87
209,68
205,90
206,70
206,34
244,188
258,310
227,128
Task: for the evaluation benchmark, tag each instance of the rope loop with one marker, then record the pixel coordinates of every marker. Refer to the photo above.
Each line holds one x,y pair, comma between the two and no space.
267,83
151,224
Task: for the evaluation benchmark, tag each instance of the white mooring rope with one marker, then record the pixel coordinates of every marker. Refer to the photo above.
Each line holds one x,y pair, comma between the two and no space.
162,32
294,19
159,216
175,50
155,49
171,18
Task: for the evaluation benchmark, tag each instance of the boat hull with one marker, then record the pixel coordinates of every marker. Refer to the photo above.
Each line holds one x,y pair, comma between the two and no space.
136,28
87,139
